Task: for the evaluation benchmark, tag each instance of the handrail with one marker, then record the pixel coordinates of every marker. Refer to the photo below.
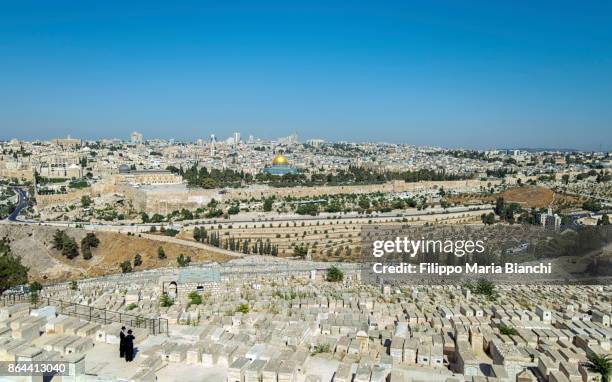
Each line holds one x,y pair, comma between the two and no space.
157,325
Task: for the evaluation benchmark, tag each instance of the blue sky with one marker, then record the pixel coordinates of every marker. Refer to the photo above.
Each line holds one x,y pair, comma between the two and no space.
452,73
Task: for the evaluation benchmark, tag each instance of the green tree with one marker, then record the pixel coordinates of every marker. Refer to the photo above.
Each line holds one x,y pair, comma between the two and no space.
137,260
605,220
145,217
161,254
601,364
86,252
35,289
126,266
565,178
199,234
58,239
85,201
157,218
591,205
307,209
66,244
12,272
300,251
213,213
267,205
233,210
35,286
364,203
90,240
499,206
334,274
488,219
171,232
183,260
70,248
33,298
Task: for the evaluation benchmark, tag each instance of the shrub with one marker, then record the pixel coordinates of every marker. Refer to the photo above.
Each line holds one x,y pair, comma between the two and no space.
243,308
322,348
85,201
507,330
183,260
171,232
195,298
165,301
126,266
486,288
334,274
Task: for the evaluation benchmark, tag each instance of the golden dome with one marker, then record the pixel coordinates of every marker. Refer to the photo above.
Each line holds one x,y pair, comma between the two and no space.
280,160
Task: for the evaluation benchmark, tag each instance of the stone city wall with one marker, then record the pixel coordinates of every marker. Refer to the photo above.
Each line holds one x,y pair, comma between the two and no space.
71,196
19,174
95,190
394,186
164,201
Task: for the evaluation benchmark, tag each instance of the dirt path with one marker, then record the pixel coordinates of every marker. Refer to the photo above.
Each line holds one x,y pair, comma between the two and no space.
194,244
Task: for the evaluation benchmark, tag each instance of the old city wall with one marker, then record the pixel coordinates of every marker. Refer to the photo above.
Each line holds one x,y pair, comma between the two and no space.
165,201
395,186
18,174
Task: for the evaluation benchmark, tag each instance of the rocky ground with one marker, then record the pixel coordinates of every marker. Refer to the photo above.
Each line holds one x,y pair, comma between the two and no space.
35,246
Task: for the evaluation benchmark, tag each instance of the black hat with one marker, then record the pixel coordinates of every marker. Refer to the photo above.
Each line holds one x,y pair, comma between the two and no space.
123,328
130,331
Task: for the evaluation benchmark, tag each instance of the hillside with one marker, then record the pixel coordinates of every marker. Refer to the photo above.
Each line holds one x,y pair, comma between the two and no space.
35,246
540,197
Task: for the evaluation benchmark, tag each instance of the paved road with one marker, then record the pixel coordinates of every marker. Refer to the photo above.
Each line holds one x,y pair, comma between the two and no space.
21,204
277,219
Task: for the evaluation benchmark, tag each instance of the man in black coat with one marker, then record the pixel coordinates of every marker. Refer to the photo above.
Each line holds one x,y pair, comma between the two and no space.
129,346
122,342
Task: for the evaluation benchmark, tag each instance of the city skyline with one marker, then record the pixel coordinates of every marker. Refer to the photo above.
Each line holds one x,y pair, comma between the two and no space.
251,139
472,75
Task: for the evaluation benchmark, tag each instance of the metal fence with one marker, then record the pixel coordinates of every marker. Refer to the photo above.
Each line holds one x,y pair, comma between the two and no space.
13,298
104,316
89,313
